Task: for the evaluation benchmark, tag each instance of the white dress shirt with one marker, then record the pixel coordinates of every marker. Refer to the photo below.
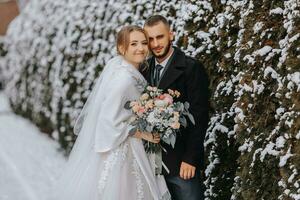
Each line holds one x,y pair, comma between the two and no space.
164,63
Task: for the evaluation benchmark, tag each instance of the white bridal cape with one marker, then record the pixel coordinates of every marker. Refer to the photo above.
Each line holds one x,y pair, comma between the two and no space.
106,163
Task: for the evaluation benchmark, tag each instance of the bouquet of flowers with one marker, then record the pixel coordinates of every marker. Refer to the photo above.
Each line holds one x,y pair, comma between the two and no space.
157,112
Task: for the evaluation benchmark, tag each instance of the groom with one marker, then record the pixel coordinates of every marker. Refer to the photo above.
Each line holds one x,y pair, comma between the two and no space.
170,68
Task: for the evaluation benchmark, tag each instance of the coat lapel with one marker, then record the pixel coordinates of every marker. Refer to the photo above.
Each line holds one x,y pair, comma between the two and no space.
174,70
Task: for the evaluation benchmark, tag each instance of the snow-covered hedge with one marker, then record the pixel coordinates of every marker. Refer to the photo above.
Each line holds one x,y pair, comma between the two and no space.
2,47
3,52
250,50
253,138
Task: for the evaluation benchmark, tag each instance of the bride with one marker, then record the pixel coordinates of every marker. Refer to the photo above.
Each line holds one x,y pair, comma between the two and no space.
108,161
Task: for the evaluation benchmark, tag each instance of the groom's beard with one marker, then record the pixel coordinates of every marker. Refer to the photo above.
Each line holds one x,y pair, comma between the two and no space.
166,51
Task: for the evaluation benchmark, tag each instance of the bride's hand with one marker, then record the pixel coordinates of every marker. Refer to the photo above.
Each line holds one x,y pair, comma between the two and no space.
154,138
151,137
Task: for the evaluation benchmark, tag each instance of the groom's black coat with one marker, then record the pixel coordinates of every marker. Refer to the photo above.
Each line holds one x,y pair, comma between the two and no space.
188,76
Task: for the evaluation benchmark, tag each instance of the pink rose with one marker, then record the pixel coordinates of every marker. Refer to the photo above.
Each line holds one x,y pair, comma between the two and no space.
141,110
161,97
149,104
175,125
136,108
168,98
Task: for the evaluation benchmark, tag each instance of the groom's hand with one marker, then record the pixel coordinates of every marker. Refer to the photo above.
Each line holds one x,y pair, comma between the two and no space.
187,171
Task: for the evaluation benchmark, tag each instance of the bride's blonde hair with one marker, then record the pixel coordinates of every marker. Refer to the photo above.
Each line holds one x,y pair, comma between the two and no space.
123,37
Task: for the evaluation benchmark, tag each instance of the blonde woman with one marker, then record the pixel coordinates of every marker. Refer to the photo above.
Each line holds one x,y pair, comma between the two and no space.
108,162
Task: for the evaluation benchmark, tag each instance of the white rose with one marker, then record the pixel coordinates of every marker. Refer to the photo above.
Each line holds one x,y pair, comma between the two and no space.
144,97
151,118
160,103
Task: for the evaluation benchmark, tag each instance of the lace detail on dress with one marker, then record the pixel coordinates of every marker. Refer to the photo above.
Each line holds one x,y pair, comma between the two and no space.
139,183
111,160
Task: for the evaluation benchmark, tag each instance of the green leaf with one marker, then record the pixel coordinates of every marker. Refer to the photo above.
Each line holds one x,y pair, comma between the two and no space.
133,130
127,105
183,121
173,140
191,117
186,105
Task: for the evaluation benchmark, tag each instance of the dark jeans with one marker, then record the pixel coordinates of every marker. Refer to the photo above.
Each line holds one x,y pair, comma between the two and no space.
181,189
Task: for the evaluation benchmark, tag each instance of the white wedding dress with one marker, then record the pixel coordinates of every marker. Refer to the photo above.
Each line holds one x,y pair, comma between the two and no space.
106,163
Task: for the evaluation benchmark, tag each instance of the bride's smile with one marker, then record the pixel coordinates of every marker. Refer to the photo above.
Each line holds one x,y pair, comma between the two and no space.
137,49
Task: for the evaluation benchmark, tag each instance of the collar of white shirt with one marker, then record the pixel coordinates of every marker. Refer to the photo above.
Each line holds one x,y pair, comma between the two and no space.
165,62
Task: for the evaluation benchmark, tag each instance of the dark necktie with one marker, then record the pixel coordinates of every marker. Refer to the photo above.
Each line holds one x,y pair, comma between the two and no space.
158,68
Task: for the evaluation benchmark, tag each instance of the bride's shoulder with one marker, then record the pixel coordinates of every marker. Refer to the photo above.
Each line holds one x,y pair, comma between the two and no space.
122,76
125,72
128,81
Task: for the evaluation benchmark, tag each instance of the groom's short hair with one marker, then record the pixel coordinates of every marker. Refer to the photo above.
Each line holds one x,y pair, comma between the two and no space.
155,19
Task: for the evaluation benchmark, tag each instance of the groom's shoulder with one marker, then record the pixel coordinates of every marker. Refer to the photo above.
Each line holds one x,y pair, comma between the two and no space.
189,61
193,63
193,66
